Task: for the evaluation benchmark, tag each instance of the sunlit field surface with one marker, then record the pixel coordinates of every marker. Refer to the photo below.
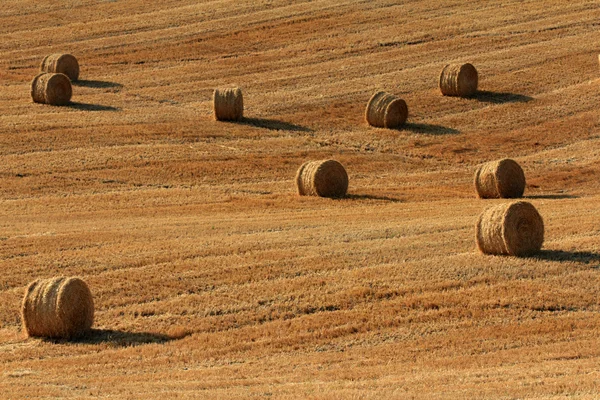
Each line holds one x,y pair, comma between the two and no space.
212,278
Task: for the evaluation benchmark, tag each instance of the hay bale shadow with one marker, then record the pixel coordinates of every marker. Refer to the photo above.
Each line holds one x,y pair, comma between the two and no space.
97,84
120,338
274,124
551,196
429,129
486,96
585,257
370,197
91,107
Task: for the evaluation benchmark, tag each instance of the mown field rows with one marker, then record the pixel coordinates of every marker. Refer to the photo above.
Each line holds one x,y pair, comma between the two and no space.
212,278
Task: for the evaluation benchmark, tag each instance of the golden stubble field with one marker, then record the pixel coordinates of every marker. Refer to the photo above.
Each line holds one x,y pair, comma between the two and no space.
213,279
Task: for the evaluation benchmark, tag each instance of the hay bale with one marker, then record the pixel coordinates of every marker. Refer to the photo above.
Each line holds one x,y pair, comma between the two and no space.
458,80
500,179
61,64
515,229
228,104
384,110
325,178
57,308
49,88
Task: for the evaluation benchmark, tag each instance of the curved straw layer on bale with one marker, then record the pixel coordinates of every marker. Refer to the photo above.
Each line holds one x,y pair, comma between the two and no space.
49,88
458,80
61,63
515,229
325,178
384,110
500,179
58,308
228,104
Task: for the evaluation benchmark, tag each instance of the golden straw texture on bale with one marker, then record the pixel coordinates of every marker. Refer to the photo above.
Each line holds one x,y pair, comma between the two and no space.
49,88
61,63
458,80
500,179
58,308
384,110
325,178
228,104
515,229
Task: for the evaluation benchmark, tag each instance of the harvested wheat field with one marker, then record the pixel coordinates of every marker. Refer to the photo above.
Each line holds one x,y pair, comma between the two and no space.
212,278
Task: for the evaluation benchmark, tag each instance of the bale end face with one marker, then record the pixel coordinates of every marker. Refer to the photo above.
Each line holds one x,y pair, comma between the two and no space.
515,229
458,80
60,308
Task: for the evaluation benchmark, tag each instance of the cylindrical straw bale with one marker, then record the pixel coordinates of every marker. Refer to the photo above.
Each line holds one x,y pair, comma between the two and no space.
61,63
228,104
384,110
515,229
58,308
49,88
500,179
458,80
325,178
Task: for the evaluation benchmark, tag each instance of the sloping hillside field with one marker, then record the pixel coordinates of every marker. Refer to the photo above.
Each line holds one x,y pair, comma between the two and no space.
212,278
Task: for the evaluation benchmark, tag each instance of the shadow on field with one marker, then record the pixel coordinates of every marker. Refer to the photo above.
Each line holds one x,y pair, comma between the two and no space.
274,125
97,84
560,255
551,196
485,96
370,197
92,107
429,129
121,338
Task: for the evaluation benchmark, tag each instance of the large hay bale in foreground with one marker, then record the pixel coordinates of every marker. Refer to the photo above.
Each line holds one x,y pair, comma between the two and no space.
62,64
515,229
49,88
500,179
384,110
325,178
228,104
58,308
458,80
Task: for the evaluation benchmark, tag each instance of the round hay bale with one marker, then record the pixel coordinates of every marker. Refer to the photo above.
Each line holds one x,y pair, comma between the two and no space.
62,64
458,80
58,308
228,104
49,88
384,110
325,178
515,229
500,179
